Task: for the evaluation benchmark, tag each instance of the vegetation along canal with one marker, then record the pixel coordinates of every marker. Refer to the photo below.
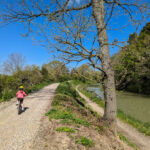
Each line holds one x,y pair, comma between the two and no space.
135,105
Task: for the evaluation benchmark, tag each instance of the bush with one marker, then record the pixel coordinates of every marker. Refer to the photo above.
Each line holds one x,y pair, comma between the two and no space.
7,95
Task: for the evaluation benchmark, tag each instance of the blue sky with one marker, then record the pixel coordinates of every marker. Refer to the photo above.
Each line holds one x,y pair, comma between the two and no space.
11,41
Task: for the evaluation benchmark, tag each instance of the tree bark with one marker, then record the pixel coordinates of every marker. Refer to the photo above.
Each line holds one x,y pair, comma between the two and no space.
109,85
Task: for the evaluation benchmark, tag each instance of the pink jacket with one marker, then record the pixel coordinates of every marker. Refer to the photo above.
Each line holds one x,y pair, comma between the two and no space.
20,94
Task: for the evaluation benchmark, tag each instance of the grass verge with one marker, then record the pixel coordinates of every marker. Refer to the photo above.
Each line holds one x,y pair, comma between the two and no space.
126,140
139,125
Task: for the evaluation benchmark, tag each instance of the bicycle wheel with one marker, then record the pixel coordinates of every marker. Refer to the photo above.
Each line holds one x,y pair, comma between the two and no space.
19,108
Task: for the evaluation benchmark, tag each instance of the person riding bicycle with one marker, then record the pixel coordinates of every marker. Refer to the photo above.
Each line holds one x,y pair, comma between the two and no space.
20,95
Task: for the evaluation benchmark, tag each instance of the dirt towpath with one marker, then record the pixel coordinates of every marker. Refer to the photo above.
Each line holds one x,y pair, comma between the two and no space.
139,139
18,131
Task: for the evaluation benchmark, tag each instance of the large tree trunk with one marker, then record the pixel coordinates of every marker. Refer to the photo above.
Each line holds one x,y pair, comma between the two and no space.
109,85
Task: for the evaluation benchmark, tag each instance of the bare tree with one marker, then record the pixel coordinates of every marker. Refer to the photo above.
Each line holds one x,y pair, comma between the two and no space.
14,63
69,23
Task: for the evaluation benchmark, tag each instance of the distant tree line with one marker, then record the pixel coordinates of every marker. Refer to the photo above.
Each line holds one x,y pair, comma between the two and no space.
132,63
15,73
86,73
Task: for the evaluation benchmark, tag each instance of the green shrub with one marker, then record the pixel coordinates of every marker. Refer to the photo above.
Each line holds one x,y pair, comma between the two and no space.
7,95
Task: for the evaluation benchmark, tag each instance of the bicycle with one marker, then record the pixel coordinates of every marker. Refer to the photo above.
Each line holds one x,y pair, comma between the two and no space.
19,106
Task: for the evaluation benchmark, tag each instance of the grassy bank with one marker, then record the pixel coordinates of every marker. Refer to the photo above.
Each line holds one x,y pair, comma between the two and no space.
9,93
75,117
140,126
69,108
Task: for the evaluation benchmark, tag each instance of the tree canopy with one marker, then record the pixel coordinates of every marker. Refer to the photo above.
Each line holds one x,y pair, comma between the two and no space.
132,63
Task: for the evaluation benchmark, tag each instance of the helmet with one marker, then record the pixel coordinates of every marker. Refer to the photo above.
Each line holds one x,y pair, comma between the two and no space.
21,87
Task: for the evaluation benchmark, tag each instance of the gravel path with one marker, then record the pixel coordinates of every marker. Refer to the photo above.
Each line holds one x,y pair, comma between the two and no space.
139,139
18,131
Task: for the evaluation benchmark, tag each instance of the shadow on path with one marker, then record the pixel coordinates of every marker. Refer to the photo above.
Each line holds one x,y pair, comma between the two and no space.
24,110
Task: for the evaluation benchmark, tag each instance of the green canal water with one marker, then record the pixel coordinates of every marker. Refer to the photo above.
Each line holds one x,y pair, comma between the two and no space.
135,105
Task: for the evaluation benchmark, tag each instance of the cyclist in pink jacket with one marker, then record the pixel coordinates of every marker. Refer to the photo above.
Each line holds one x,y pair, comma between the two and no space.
20,95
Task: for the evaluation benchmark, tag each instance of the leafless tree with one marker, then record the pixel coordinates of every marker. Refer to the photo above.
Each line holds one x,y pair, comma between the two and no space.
79,31
14,63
